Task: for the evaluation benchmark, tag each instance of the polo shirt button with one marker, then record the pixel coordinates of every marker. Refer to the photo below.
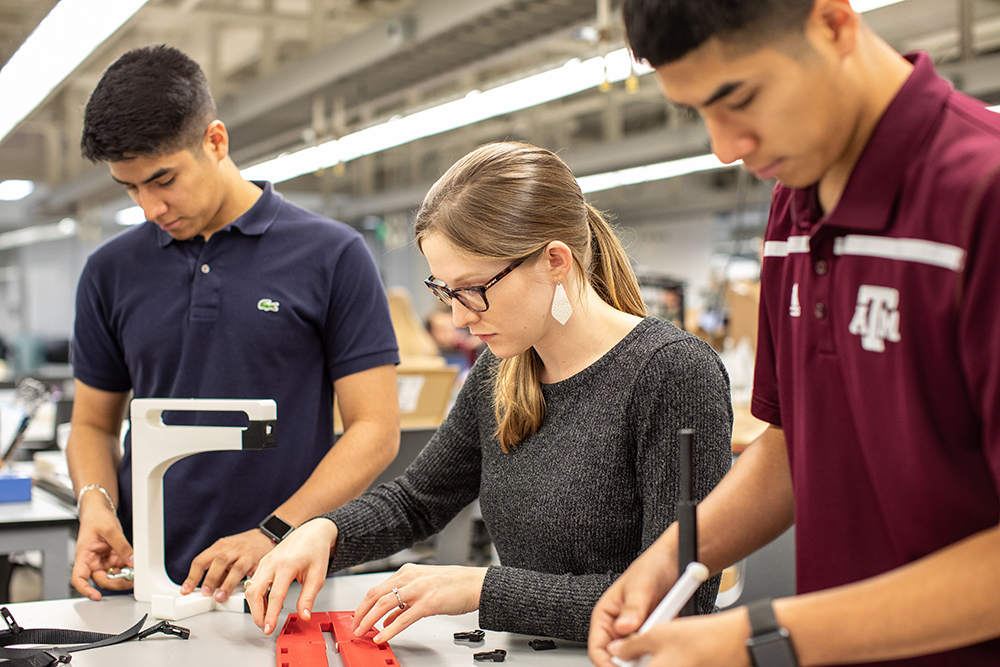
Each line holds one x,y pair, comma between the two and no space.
205,268
820,310
821,267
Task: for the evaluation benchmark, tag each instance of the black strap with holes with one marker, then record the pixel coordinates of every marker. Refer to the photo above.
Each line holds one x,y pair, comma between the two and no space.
80,640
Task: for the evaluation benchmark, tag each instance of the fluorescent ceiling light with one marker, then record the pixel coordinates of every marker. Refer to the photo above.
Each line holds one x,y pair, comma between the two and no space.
133,215
571,78
868,5
651,172
21,237
15,190
64,38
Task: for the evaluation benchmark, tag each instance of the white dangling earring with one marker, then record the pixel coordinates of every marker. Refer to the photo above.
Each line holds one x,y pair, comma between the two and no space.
561,307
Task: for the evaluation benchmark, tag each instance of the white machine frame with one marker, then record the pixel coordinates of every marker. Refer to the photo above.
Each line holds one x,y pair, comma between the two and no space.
155,447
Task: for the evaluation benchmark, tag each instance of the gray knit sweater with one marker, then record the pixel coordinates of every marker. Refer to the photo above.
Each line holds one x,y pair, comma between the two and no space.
575,503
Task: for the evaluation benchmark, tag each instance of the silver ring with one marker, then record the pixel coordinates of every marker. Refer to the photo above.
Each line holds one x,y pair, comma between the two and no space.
402,605
247,583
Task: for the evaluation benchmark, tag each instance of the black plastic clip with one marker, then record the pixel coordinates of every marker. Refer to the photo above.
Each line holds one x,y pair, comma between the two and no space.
12,627
496,655
165,628
59,656
474,636
542,644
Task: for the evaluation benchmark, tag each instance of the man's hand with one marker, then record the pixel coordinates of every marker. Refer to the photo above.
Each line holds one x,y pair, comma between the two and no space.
93,455
227,562
752,505
628,601
100,546
716,640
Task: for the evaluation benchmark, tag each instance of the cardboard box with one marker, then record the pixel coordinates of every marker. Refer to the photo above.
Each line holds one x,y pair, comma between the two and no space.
424,394
743,302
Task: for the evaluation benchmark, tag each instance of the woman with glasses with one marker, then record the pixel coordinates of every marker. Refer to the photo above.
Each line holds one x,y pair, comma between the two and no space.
565,429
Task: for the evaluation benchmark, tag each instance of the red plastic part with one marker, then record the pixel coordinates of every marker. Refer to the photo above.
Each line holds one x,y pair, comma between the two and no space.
301,643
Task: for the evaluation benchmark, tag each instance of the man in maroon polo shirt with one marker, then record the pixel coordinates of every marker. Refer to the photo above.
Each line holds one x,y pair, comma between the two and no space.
877,361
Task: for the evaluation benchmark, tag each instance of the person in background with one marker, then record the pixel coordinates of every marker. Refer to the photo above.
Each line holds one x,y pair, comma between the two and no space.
565,429
877,365
227,291
415,343
457,345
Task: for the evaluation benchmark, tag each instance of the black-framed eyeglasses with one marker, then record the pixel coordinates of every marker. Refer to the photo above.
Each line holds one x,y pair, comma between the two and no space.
474,297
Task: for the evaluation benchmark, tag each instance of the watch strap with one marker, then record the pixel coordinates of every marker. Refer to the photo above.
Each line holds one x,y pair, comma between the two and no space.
769,644
762,618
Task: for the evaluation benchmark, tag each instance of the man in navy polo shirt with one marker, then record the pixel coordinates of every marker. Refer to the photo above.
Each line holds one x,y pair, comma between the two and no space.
877,364
227,291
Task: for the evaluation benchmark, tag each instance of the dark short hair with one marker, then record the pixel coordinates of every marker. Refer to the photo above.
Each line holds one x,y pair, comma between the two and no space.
662,31
151,101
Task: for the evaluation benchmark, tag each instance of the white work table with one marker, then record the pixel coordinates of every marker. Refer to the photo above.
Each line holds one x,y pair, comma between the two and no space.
226,638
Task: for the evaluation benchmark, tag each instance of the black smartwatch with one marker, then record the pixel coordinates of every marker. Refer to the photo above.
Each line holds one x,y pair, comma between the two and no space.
275,528
769,644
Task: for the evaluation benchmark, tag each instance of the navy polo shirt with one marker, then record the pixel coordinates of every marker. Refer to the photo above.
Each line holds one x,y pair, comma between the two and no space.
277,305
877,346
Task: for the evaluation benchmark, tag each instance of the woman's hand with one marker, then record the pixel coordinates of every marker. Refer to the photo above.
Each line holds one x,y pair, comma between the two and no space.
303,556
423,590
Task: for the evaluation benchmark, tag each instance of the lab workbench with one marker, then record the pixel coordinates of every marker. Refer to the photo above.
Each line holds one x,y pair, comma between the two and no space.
227,638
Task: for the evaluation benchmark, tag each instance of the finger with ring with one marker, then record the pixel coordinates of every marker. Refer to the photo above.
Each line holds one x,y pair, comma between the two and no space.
402,605
247,583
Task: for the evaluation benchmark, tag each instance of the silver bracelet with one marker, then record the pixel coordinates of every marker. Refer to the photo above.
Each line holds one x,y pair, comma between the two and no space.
95,487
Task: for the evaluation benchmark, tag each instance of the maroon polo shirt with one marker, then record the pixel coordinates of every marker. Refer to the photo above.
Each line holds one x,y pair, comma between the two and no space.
879,345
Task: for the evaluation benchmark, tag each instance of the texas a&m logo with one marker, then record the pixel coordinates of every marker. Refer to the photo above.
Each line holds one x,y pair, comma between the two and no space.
876,318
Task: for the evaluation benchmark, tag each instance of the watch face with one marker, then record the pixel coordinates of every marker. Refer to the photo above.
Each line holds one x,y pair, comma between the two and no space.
276,526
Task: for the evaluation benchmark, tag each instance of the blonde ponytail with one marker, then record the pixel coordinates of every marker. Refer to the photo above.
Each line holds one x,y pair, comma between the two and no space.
610,272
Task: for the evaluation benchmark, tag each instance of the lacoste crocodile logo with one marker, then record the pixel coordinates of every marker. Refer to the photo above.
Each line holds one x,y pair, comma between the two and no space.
267,304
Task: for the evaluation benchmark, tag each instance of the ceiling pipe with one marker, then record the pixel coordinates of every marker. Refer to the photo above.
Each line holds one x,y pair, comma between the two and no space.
965,22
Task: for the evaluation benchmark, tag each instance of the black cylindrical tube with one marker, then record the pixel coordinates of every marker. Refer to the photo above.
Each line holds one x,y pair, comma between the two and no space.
687,515
685,441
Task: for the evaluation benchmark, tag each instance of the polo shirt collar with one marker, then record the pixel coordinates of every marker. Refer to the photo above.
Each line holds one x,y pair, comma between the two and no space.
257,220
877,179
